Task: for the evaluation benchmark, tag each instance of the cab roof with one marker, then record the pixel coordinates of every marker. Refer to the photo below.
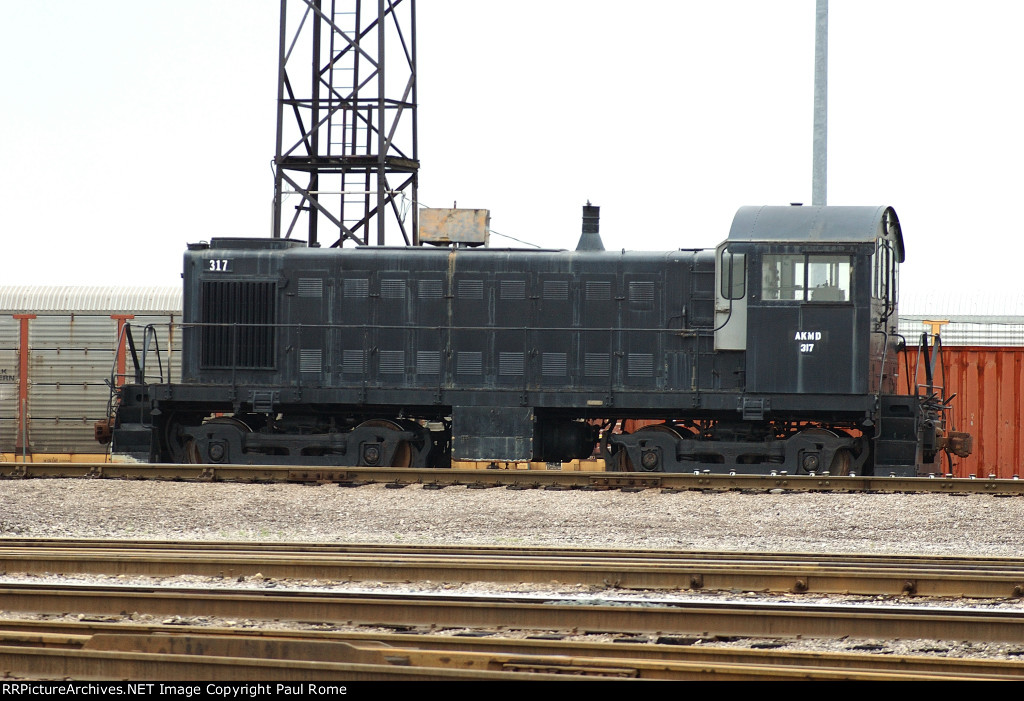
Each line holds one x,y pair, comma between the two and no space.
824,225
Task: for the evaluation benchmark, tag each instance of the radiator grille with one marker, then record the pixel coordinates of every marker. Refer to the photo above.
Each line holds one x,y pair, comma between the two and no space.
353,362
311,360
428,362
511,363
355,287
240,324
597,364
392,362
431,289
311,287
641,294
513,289
641,364
599,290
553,364
556,289
471,289
392,289
469,363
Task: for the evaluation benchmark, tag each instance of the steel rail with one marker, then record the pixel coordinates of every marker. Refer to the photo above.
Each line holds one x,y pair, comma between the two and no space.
672,649
512,478
255,547
75,633
531,613
102,664
794,573
118,652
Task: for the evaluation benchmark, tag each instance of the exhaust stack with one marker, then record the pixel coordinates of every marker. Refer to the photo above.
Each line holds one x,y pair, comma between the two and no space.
590,239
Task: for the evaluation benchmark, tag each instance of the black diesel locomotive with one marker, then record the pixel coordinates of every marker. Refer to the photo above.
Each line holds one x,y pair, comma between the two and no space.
775,351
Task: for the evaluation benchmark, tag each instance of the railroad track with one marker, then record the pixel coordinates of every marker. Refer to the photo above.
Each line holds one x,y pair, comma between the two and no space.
663,633
528,612
94,650
798,573
512,478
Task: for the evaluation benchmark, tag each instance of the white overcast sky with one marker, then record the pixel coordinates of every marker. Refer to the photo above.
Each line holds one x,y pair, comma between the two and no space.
130,128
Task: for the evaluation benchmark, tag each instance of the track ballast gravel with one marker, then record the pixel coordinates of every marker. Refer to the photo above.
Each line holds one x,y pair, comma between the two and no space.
978,525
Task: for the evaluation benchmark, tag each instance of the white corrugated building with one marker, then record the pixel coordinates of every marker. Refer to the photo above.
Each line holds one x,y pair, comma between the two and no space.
71,357
976,318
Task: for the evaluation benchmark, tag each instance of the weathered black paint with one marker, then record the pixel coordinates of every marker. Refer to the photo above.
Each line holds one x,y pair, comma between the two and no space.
334,356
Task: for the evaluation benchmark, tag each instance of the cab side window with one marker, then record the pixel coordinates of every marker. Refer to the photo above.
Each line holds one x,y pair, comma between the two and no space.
782,277
806,277
734,275
885,272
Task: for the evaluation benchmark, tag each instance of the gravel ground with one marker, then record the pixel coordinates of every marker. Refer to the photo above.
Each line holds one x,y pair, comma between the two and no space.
875,523
783,522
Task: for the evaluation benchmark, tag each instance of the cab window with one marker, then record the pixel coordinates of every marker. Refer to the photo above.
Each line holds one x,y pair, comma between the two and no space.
806,277
886,272
733,269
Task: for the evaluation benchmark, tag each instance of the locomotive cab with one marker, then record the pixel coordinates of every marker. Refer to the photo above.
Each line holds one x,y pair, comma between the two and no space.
812,322
816,315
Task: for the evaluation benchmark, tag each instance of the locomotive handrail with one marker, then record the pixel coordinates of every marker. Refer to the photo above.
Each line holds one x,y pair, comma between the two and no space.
135,355
111,382
885,353
149,332
881,377
932,362
902,348
149,335
125,336
422,327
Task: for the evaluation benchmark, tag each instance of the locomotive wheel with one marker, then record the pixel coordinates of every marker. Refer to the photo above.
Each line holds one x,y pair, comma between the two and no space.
230,421
655,466
403,451
180,448
841,462
192,455
842,459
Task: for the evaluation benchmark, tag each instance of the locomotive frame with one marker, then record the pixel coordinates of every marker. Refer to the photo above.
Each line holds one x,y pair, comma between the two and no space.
776,351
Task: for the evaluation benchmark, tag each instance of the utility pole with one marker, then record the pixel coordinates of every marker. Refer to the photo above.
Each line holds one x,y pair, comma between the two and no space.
819,174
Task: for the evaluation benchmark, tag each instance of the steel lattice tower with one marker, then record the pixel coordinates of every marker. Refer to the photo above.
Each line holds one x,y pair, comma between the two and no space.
346,155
